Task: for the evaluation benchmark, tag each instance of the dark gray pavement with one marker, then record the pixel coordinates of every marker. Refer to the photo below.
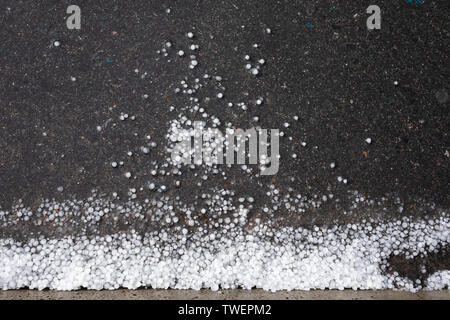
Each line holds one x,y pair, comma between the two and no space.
60,109
335,75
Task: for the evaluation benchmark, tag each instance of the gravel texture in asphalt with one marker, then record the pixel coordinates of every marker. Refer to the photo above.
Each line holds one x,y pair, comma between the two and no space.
86,118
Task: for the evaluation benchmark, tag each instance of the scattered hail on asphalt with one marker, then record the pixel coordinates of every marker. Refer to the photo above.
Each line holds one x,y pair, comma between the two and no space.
230,250
225,243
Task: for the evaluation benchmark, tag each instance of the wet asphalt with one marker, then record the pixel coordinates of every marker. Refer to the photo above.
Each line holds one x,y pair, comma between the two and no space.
343,82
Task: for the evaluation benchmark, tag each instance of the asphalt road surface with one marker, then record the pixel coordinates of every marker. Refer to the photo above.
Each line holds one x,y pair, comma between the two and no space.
85,137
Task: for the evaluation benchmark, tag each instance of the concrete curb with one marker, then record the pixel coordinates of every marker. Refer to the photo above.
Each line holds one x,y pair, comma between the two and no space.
237,294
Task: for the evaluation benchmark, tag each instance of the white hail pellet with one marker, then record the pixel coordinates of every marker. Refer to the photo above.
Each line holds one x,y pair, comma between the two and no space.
128,175
190,35
181,53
